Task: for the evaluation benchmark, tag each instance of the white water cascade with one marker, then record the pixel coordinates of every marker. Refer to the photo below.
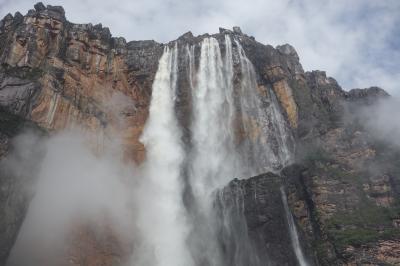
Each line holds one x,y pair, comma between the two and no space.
211,229
237,130
294,236
267,136
214,157
162,218
214,160
273,149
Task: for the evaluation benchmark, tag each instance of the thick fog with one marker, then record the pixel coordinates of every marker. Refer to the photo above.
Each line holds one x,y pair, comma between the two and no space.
381,119
74,187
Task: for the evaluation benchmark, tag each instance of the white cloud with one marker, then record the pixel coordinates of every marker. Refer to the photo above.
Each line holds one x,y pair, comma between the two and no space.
354,41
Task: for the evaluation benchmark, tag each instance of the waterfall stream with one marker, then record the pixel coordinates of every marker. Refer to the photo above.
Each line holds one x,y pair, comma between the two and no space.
214,157
162,139
293,231
267,145
219,105
204,129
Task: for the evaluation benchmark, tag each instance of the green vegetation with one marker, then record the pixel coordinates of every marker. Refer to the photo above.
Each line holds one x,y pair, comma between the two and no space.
338,173
367,214
321,248
388,157
367,224
361,236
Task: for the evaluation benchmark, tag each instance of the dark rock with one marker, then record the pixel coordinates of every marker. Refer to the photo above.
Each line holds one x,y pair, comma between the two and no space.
287,49
367,96
8,17
57,9
259,199
237,30
225,31
186,36
15,183
17,95
18,17
39,6
98,26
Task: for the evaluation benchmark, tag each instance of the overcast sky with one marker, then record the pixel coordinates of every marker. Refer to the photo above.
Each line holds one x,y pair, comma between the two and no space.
355,41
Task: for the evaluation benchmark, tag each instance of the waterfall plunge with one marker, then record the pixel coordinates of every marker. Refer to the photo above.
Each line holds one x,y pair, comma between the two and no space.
189,237
213,158
267,144
166,232
214,161
162,218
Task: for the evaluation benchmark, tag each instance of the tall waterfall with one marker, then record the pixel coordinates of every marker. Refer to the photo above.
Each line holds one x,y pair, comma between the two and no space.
162,219
267,138
229,109
214,160
293,231
214,157
182,215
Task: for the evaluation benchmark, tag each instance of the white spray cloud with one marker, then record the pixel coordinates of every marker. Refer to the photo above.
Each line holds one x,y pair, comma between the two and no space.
74,187
382,120
162,218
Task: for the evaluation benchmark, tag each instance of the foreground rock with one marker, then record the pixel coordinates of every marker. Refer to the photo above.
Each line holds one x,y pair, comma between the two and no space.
257,208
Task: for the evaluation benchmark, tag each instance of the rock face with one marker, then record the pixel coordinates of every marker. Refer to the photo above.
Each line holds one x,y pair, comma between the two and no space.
55,74
14,194
63,74
258,201
343,189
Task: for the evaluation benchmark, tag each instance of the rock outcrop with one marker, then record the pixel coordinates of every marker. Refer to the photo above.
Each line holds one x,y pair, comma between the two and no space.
258,201
59,74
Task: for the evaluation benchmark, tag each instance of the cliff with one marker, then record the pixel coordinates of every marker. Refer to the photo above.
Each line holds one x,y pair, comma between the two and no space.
343,186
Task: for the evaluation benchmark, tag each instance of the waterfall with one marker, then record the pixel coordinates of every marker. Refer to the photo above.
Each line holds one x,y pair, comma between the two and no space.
214,157
293,231
214,161
162,216
237,129
267,141
234,236
212,229
191,65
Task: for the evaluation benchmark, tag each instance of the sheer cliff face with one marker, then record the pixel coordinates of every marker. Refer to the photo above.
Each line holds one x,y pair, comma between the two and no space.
343,190
68,74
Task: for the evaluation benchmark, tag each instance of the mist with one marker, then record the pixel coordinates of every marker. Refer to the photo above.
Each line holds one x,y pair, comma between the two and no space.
83,195
74,187
382,120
